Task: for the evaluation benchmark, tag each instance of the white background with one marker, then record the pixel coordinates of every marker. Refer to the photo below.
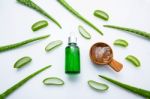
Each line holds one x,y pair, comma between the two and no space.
15,26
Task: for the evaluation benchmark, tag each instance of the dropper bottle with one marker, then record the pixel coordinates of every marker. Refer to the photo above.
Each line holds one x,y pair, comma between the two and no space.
72,56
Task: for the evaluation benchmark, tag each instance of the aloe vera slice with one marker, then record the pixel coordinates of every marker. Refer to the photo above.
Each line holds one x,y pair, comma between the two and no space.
134,60
53,81
22,62
101,14
121,42
97,85
83,32
53,44
39,25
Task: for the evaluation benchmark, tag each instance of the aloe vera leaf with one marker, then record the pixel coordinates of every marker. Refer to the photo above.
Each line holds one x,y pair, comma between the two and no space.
19,44
39,25
34,6
21,83
73,11
53,81
97,85
22,62
121,42
139,91
101,14
134,60
83,32
53,44
135,31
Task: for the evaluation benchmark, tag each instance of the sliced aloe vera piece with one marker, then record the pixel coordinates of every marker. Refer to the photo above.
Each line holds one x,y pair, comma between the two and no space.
121,42
22,62
53,81
53,44
134,60
83,32
39,25
101,14
97,85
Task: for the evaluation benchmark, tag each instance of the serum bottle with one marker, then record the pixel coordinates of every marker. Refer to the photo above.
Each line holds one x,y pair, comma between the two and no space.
72,56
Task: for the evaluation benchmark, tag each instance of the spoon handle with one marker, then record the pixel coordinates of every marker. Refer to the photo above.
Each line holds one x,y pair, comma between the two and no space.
115,65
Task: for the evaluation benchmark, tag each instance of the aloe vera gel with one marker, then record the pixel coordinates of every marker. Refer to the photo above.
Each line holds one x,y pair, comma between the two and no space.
72,56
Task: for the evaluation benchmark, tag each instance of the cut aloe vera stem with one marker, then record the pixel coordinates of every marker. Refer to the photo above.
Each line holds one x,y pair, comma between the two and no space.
21,83
74,12
22,62
139,91
121,42
53,44
22,43
130,30
34,6
134,60
53,81
39,25
83,32
101,14
98,86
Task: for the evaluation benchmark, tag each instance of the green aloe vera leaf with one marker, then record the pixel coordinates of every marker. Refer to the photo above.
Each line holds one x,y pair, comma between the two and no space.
21,83
130,30
34,6
78,15
22,43
139,91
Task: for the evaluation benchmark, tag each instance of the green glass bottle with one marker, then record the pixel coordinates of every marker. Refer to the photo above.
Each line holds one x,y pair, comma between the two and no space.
72,56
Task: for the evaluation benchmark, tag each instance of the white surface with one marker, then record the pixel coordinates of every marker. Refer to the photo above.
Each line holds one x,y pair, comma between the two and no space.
15,25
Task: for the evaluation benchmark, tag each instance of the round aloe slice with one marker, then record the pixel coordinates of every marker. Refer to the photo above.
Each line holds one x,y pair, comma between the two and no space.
22,62
53,81
98,86
53,44
83,32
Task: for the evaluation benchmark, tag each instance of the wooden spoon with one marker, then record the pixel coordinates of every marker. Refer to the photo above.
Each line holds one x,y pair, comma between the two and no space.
101,53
